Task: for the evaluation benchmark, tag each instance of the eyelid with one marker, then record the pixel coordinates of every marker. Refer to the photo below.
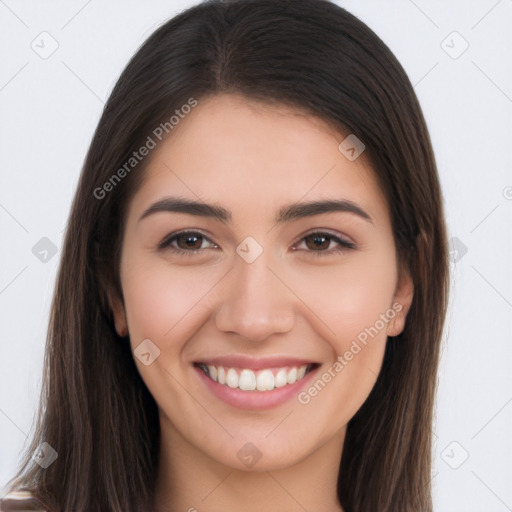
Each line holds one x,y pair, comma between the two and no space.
166,242
344,243
326,231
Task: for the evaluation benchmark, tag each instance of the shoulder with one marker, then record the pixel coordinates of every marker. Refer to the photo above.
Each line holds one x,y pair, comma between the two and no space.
18,501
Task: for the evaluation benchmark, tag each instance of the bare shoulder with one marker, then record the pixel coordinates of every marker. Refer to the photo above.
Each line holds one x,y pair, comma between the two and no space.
18,501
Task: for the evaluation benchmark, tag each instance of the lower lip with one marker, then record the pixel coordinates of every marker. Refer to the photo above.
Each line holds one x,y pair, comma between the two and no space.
254,400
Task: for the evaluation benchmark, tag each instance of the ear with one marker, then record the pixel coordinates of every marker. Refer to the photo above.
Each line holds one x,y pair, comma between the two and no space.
401,303
119,314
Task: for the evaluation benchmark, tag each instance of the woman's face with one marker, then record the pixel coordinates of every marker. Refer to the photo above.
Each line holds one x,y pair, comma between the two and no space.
255,282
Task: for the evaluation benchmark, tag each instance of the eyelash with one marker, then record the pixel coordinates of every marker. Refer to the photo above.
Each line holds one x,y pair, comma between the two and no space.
343,245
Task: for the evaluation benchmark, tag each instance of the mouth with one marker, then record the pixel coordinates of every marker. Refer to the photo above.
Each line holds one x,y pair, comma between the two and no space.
254,383
252,380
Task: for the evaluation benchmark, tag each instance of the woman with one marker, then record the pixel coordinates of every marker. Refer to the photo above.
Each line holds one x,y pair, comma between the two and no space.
253,282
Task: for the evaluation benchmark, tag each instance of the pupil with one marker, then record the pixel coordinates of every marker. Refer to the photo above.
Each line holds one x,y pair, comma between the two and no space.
319,242
190,241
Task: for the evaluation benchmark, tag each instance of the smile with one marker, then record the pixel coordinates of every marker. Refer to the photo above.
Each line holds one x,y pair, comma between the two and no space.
245,379
255,383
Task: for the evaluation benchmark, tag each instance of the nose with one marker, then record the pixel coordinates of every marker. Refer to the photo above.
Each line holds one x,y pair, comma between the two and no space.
255,303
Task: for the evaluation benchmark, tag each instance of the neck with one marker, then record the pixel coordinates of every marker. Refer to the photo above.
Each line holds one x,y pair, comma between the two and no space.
190,480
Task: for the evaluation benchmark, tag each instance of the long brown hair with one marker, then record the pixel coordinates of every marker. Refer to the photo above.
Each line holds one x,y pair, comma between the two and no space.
96,411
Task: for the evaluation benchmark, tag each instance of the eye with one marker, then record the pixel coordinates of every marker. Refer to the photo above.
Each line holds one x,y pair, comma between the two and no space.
322,243
186,242
319,242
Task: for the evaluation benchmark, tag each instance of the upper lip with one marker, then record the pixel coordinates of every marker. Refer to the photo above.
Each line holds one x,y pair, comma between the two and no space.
254,363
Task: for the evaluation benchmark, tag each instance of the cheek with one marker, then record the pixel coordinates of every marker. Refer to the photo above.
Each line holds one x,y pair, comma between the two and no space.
354,302
161,299
167,306
349,297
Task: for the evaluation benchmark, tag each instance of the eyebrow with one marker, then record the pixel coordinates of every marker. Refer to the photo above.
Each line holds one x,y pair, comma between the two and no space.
287,213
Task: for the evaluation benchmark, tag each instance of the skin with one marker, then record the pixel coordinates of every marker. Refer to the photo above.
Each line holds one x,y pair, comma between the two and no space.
253,159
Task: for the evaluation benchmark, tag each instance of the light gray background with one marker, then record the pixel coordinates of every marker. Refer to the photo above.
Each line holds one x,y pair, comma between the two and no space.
50,107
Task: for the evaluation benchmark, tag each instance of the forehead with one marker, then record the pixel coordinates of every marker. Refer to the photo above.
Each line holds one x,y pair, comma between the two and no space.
253,156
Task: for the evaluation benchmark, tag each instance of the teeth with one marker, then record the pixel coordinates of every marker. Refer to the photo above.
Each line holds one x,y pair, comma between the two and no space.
248,380
212,370
265,381
280,379
232,378
292,376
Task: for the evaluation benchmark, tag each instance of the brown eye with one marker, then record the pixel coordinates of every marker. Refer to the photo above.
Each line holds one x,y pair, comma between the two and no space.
187,242
317,241
321,243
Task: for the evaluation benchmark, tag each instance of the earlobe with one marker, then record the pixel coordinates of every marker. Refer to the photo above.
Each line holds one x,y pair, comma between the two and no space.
401,304
121,328
119,315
